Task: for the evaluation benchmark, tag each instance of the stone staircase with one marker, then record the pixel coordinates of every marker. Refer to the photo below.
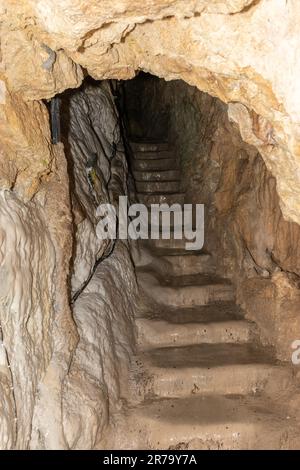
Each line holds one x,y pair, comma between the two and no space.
200,379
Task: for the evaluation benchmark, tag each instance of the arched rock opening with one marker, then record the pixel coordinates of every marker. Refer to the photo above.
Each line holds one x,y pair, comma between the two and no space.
68,343
244,226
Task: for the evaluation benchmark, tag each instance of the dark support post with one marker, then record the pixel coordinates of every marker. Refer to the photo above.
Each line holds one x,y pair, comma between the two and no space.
55,119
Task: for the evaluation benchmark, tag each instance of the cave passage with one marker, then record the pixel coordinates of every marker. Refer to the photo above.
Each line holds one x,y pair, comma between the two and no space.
178,330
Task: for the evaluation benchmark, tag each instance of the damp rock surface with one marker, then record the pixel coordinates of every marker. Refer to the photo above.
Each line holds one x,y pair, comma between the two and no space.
68,299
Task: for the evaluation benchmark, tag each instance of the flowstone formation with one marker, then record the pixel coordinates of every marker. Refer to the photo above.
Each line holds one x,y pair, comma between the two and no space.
66,341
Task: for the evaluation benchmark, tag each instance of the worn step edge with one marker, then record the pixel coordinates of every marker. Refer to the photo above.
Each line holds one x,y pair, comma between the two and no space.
157,176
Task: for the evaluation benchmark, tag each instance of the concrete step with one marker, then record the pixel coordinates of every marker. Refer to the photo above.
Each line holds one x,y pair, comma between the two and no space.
185,291
158,187
155,164
159,333
213,312
209,423
148,199
183,262
211,369
163,175
149,146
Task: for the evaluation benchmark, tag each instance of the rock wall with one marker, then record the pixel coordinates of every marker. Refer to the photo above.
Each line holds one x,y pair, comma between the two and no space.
38,333
62,372
105,293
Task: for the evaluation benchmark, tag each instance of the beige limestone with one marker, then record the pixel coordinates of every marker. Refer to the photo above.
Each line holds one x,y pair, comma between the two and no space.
245,230
245,53
37,329
26,156
41,377
195,350
234,50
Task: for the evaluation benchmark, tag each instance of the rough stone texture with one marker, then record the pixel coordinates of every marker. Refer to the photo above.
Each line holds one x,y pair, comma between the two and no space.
274,305
49,364
7,401
37,330
93,148
241,51
26,323
105,303
98,375
25,158
245,230
50,71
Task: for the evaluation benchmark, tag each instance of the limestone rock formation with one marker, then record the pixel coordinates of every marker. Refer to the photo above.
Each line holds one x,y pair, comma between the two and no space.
39,337
233,50
66,314
245,229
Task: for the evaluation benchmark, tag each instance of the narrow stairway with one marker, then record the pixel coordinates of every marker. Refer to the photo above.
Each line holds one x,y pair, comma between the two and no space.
200,379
